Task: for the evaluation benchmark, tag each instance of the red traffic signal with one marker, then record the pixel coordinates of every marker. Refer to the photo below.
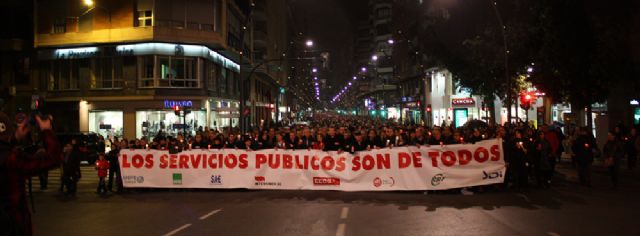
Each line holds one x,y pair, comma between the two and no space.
176,110
429,108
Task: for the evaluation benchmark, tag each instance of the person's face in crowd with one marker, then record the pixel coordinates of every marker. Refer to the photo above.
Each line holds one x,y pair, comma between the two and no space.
541,135
162,142
198,138
272,132
501,132
180,138
358,138
307,132
68,148
332,132
292,136
456,136
419,132
101,156
611,136
518,134
476,133
124,144
437,134
319,138
372,134
279,137
447,132
389,132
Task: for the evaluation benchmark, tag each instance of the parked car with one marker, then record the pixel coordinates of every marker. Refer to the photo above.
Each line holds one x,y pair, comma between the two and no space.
86,142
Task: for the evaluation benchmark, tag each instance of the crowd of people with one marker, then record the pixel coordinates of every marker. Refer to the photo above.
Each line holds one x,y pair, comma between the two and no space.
531,153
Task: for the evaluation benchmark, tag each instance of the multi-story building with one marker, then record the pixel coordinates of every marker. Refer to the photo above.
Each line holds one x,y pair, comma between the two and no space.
118,68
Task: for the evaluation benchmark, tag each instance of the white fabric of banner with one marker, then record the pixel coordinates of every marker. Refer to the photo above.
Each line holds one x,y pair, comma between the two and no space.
399,168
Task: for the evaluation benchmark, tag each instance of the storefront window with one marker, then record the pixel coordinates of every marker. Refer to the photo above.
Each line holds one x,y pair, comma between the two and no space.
106,123
151,123
64,75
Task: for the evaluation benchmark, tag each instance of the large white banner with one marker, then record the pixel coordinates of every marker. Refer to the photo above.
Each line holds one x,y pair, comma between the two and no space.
400,168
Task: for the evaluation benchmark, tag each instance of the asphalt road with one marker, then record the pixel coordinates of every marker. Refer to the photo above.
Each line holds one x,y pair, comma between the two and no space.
565,209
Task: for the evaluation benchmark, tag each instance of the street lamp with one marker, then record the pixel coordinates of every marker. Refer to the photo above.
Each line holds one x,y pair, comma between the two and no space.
88,2
390,41
309,43
374,58
363,69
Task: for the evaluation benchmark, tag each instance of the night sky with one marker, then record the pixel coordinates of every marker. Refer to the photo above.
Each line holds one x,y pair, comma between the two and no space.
331,24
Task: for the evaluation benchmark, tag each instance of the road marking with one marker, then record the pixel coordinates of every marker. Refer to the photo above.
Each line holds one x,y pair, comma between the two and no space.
553,234
175,231
345,213
210,214
341,228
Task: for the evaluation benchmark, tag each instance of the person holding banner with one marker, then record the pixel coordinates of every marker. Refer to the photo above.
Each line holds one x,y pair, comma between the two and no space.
333,142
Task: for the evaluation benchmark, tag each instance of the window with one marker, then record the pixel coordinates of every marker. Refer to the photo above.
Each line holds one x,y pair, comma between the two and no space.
224,82
107,73
63,75
59,26
212,79
145,18
384,12
179,72
146,72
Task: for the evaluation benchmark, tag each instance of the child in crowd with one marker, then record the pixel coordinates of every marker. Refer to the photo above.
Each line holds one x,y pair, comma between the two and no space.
102,166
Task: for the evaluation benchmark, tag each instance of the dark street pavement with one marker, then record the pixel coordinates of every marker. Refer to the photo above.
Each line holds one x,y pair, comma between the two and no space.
565,209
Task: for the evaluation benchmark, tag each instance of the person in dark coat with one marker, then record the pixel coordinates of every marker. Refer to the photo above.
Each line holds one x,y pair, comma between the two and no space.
333,142
544,160
613,152
16,166
583,149
71,168
114,168
519,161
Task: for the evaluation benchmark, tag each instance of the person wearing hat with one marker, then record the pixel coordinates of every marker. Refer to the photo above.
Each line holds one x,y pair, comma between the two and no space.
16,166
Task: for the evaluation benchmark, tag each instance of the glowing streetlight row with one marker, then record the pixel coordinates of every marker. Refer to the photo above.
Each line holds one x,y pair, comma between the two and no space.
343,91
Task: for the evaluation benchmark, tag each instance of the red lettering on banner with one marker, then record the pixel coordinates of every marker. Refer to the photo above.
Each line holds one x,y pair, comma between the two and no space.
356,163
125,162
231,161
274,161
495,153
212,161
287,161
464,156
434,158
417,161
195,160
173,161
327,163
314,163
448,158
340,165
383,161
260,159
163,161
481,155
148,161
404,160
137,161
244,163
368,162
184,159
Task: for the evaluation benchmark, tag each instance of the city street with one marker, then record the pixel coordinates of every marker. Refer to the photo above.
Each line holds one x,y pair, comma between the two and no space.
566,209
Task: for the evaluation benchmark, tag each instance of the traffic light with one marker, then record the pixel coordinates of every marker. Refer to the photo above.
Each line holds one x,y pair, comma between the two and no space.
176,110
526,100
429,108
419,103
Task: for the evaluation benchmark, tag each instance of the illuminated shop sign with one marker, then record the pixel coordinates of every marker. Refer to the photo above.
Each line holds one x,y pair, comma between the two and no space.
176,50
463,101
72,53
168,104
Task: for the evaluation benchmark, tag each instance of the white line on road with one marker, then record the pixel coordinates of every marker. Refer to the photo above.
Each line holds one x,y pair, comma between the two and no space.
345,213
341,228
210,214
175,231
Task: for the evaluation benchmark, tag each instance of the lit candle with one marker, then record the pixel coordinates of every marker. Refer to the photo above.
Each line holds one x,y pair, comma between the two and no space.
209,146
146,146
189,146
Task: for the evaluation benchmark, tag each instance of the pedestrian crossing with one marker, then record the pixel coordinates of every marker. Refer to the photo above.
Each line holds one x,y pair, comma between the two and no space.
89,176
